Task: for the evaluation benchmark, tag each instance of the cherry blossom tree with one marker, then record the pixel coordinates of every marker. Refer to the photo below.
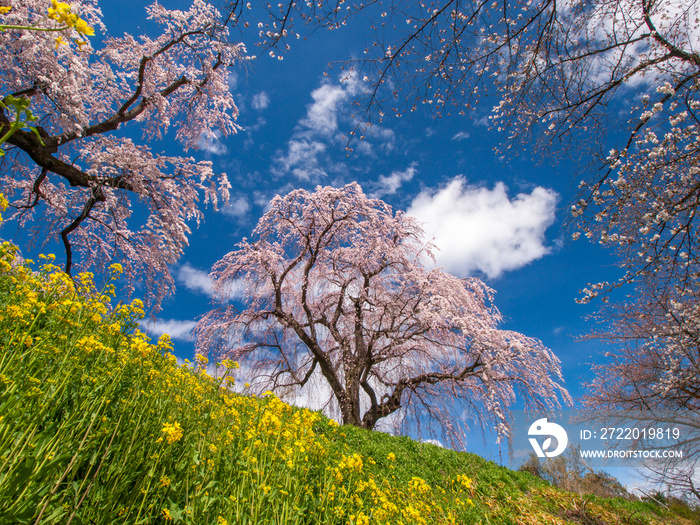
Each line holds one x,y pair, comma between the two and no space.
618,80
107,196
653,376
335,285
646,208
652,379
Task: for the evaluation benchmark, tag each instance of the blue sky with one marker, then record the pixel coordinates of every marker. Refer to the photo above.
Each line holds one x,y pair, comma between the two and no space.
495,217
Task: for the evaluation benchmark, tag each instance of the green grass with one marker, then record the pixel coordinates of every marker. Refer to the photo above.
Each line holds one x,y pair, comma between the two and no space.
500,495
98,425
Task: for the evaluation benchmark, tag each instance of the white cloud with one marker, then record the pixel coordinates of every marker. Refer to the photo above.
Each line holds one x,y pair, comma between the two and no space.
462,135
484,121
211,143
322,116
328,100
176,329
258,125
260,101
364,148
198,281
302,158
195,280
232,80
307,156
387,138
477,229
389,185
237,207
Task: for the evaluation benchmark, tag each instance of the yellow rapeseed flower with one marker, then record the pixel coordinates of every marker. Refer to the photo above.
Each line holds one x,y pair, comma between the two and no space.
465,481
164,343
353,462
60,11
83,28
418,485
362,519
5,9
115,268
136,308
173,432
230,364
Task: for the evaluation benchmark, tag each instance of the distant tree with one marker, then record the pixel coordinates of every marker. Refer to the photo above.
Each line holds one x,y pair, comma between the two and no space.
80,179
601,484
569,472
335,283
682,479
565,471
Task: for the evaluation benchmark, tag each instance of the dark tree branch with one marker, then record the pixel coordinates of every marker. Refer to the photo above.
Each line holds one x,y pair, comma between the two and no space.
94,198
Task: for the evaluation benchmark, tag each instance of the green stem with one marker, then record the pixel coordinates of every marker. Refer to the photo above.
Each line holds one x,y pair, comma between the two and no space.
7,135
47,499
34,28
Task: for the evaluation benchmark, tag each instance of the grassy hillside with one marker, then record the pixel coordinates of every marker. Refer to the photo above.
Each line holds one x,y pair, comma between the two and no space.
98,425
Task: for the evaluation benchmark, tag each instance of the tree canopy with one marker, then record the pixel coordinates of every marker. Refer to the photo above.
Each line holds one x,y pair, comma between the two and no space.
335,286
110,197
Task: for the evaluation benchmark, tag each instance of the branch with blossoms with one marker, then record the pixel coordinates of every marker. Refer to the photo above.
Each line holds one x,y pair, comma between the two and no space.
22,114
60,12
78,162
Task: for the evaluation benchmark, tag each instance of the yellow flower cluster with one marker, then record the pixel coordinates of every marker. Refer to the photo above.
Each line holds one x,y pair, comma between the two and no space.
353,462
173,432
356,493
464,481
67,353
61,12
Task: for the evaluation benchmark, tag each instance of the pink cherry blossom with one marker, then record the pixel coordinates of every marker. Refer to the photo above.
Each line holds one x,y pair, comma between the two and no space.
337,289
105,196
